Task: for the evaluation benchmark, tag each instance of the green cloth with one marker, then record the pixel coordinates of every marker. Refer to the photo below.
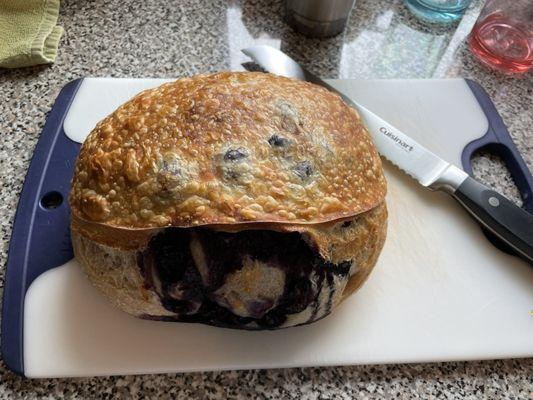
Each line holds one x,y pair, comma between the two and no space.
28,32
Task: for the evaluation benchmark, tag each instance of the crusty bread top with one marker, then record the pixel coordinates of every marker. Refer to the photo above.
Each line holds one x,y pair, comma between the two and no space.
227,148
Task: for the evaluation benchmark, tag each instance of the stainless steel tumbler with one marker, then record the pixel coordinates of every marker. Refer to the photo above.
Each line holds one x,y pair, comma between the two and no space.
318,18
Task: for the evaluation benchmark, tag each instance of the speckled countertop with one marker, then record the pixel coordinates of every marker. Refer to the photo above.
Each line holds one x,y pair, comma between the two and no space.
170,39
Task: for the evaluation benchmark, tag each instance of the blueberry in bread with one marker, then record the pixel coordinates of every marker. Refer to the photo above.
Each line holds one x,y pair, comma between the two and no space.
241,200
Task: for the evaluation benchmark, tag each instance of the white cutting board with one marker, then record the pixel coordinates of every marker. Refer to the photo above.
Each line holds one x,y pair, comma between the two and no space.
439,292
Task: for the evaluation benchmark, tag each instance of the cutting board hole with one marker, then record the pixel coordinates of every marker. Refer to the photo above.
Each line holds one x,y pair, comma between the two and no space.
489,168
51,200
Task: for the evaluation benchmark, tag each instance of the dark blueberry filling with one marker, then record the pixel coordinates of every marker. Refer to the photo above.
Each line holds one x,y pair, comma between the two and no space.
231,175
169,175
235,154
168,267
299,295
278,141
170,165
168,261
303,170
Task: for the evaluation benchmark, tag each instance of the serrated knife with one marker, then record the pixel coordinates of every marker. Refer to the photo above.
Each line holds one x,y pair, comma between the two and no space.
510,223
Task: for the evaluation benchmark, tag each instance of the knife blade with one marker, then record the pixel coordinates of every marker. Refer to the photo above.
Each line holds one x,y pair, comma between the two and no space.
510,223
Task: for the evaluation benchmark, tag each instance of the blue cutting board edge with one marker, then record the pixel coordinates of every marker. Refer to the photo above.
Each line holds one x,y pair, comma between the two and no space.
41,239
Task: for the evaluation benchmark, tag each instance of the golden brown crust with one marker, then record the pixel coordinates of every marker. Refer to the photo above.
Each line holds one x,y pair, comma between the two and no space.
225,148
357,238
115,272
126,239
371,235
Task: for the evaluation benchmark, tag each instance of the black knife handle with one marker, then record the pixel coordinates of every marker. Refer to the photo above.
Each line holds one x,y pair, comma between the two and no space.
509,222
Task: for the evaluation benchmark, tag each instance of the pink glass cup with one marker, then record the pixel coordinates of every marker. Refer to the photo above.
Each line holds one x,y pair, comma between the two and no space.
502,37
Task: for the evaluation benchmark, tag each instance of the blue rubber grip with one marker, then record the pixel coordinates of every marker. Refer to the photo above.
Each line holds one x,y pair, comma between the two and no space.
41,237
498,141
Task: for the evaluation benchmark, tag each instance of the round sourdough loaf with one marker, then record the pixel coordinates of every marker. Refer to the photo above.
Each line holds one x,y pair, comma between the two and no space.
243,200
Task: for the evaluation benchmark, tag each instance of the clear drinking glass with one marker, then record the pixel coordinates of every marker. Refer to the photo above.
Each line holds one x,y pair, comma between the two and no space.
318,18
438,11
502,37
